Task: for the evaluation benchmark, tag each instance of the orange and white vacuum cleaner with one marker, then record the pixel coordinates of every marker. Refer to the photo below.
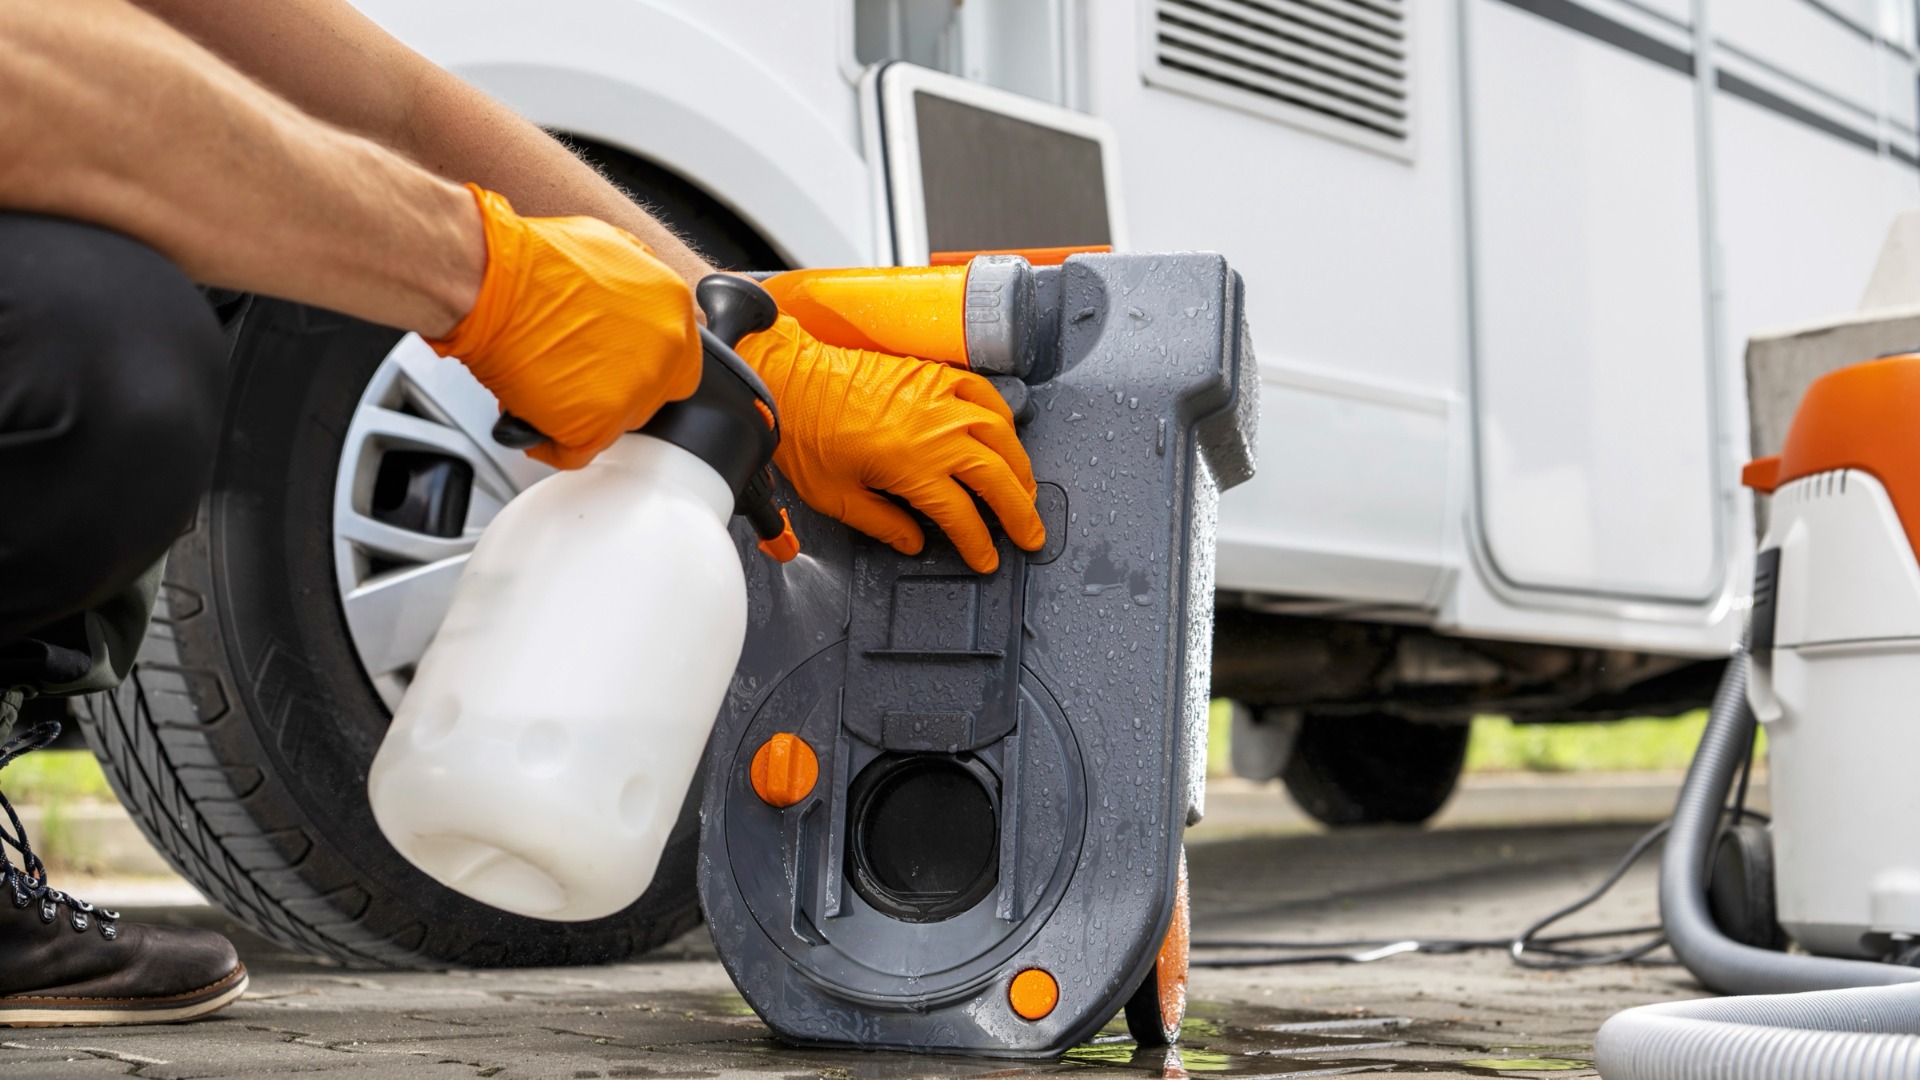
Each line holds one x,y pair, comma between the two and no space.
1832,669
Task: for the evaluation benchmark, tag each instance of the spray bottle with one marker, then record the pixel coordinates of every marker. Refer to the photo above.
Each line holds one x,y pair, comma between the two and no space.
543,750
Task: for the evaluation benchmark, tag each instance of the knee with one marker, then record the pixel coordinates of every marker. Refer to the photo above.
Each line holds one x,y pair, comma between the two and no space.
110,397
121,342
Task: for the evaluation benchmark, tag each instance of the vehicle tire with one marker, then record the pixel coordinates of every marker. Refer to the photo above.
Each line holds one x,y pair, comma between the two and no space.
1375,769
241,742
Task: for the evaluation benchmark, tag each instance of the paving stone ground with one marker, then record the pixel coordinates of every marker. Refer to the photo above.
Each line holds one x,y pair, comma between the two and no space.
677,1015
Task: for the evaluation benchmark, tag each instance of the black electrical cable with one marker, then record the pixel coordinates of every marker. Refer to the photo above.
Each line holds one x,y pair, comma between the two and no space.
1435,945
1566,959
1352,952
1527,949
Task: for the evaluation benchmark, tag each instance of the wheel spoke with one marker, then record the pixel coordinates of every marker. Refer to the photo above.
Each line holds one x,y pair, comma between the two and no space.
394,616
398,429
396,544
396,584
446,387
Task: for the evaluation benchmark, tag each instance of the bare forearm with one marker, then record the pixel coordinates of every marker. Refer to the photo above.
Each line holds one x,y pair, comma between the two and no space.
460,132
118,119
335,63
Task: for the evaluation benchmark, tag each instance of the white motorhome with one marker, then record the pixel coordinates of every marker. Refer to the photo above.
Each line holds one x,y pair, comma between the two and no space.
1501,260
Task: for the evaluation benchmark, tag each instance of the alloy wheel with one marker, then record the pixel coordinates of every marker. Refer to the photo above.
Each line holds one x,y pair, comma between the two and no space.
419,479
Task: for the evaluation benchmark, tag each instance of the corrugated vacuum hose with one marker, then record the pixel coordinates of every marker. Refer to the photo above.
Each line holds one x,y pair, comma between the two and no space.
1818,1016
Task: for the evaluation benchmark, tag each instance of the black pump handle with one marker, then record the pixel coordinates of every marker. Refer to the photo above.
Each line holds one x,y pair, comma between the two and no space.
734,306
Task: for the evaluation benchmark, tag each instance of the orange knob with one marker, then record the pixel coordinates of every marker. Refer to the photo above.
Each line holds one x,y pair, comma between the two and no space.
1033,994
784,770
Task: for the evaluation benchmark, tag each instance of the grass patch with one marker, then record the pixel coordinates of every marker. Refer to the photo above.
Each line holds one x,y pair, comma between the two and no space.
50,777
56,782
1641,745
1498,745
1219,729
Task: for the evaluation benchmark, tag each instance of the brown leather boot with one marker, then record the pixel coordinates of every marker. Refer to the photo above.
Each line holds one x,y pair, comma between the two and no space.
64,961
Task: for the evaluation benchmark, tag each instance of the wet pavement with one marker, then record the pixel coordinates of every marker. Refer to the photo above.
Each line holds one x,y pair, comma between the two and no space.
676,1015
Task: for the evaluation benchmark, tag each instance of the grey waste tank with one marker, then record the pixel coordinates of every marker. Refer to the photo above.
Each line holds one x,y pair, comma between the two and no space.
1006,763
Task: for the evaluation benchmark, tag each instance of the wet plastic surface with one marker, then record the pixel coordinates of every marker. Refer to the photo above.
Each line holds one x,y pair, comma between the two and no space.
1067,690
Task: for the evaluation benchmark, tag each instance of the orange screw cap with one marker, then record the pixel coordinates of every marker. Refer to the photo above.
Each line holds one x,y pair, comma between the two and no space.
1033,994
784,770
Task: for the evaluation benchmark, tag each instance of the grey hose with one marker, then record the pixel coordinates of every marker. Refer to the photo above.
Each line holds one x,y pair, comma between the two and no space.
1861,1019
1724,965
1872,1033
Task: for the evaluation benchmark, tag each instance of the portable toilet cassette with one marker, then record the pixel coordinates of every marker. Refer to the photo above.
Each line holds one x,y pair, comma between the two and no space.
943,811
1835,640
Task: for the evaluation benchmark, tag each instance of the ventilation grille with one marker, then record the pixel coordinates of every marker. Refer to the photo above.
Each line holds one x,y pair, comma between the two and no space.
1336,66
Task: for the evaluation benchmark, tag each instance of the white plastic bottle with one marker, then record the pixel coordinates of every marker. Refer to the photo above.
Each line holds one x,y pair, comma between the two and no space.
541,755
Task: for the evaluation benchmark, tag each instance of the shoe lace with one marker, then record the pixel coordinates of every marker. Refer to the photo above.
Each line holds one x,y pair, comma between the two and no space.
26,879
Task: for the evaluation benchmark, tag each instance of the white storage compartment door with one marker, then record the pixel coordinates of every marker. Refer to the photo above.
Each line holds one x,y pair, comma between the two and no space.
1591,378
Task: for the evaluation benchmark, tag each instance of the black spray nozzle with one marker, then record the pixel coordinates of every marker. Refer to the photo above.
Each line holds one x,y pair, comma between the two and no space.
516,434
734,307
768,518
730,422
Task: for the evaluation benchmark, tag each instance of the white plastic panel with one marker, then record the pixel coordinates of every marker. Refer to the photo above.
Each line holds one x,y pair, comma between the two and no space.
1350,501
1836,693
771,132
1679,12
1595,437
1791,251
1898,20
1352,269
1798,38
1897,98
1349,256
1846,571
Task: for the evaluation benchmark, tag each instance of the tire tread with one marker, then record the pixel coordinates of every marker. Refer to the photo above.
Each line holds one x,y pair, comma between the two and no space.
221,825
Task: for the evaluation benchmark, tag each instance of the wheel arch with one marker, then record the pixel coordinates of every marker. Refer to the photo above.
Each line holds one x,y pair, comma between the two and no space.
666,89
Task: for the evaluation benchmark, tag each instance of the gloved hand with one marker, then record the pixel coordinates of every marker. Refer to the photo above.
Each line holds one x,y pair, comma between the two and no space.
578,330
856,423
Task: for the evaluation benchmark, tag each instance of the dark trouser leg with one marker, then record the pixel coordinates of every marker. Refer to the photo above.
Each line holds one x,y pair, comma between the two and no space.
111,381
110,389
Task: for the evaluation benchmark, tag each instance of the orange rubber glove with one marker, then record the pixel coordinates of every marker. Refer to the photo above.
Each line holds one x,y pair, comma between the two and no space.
578,330
856,423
